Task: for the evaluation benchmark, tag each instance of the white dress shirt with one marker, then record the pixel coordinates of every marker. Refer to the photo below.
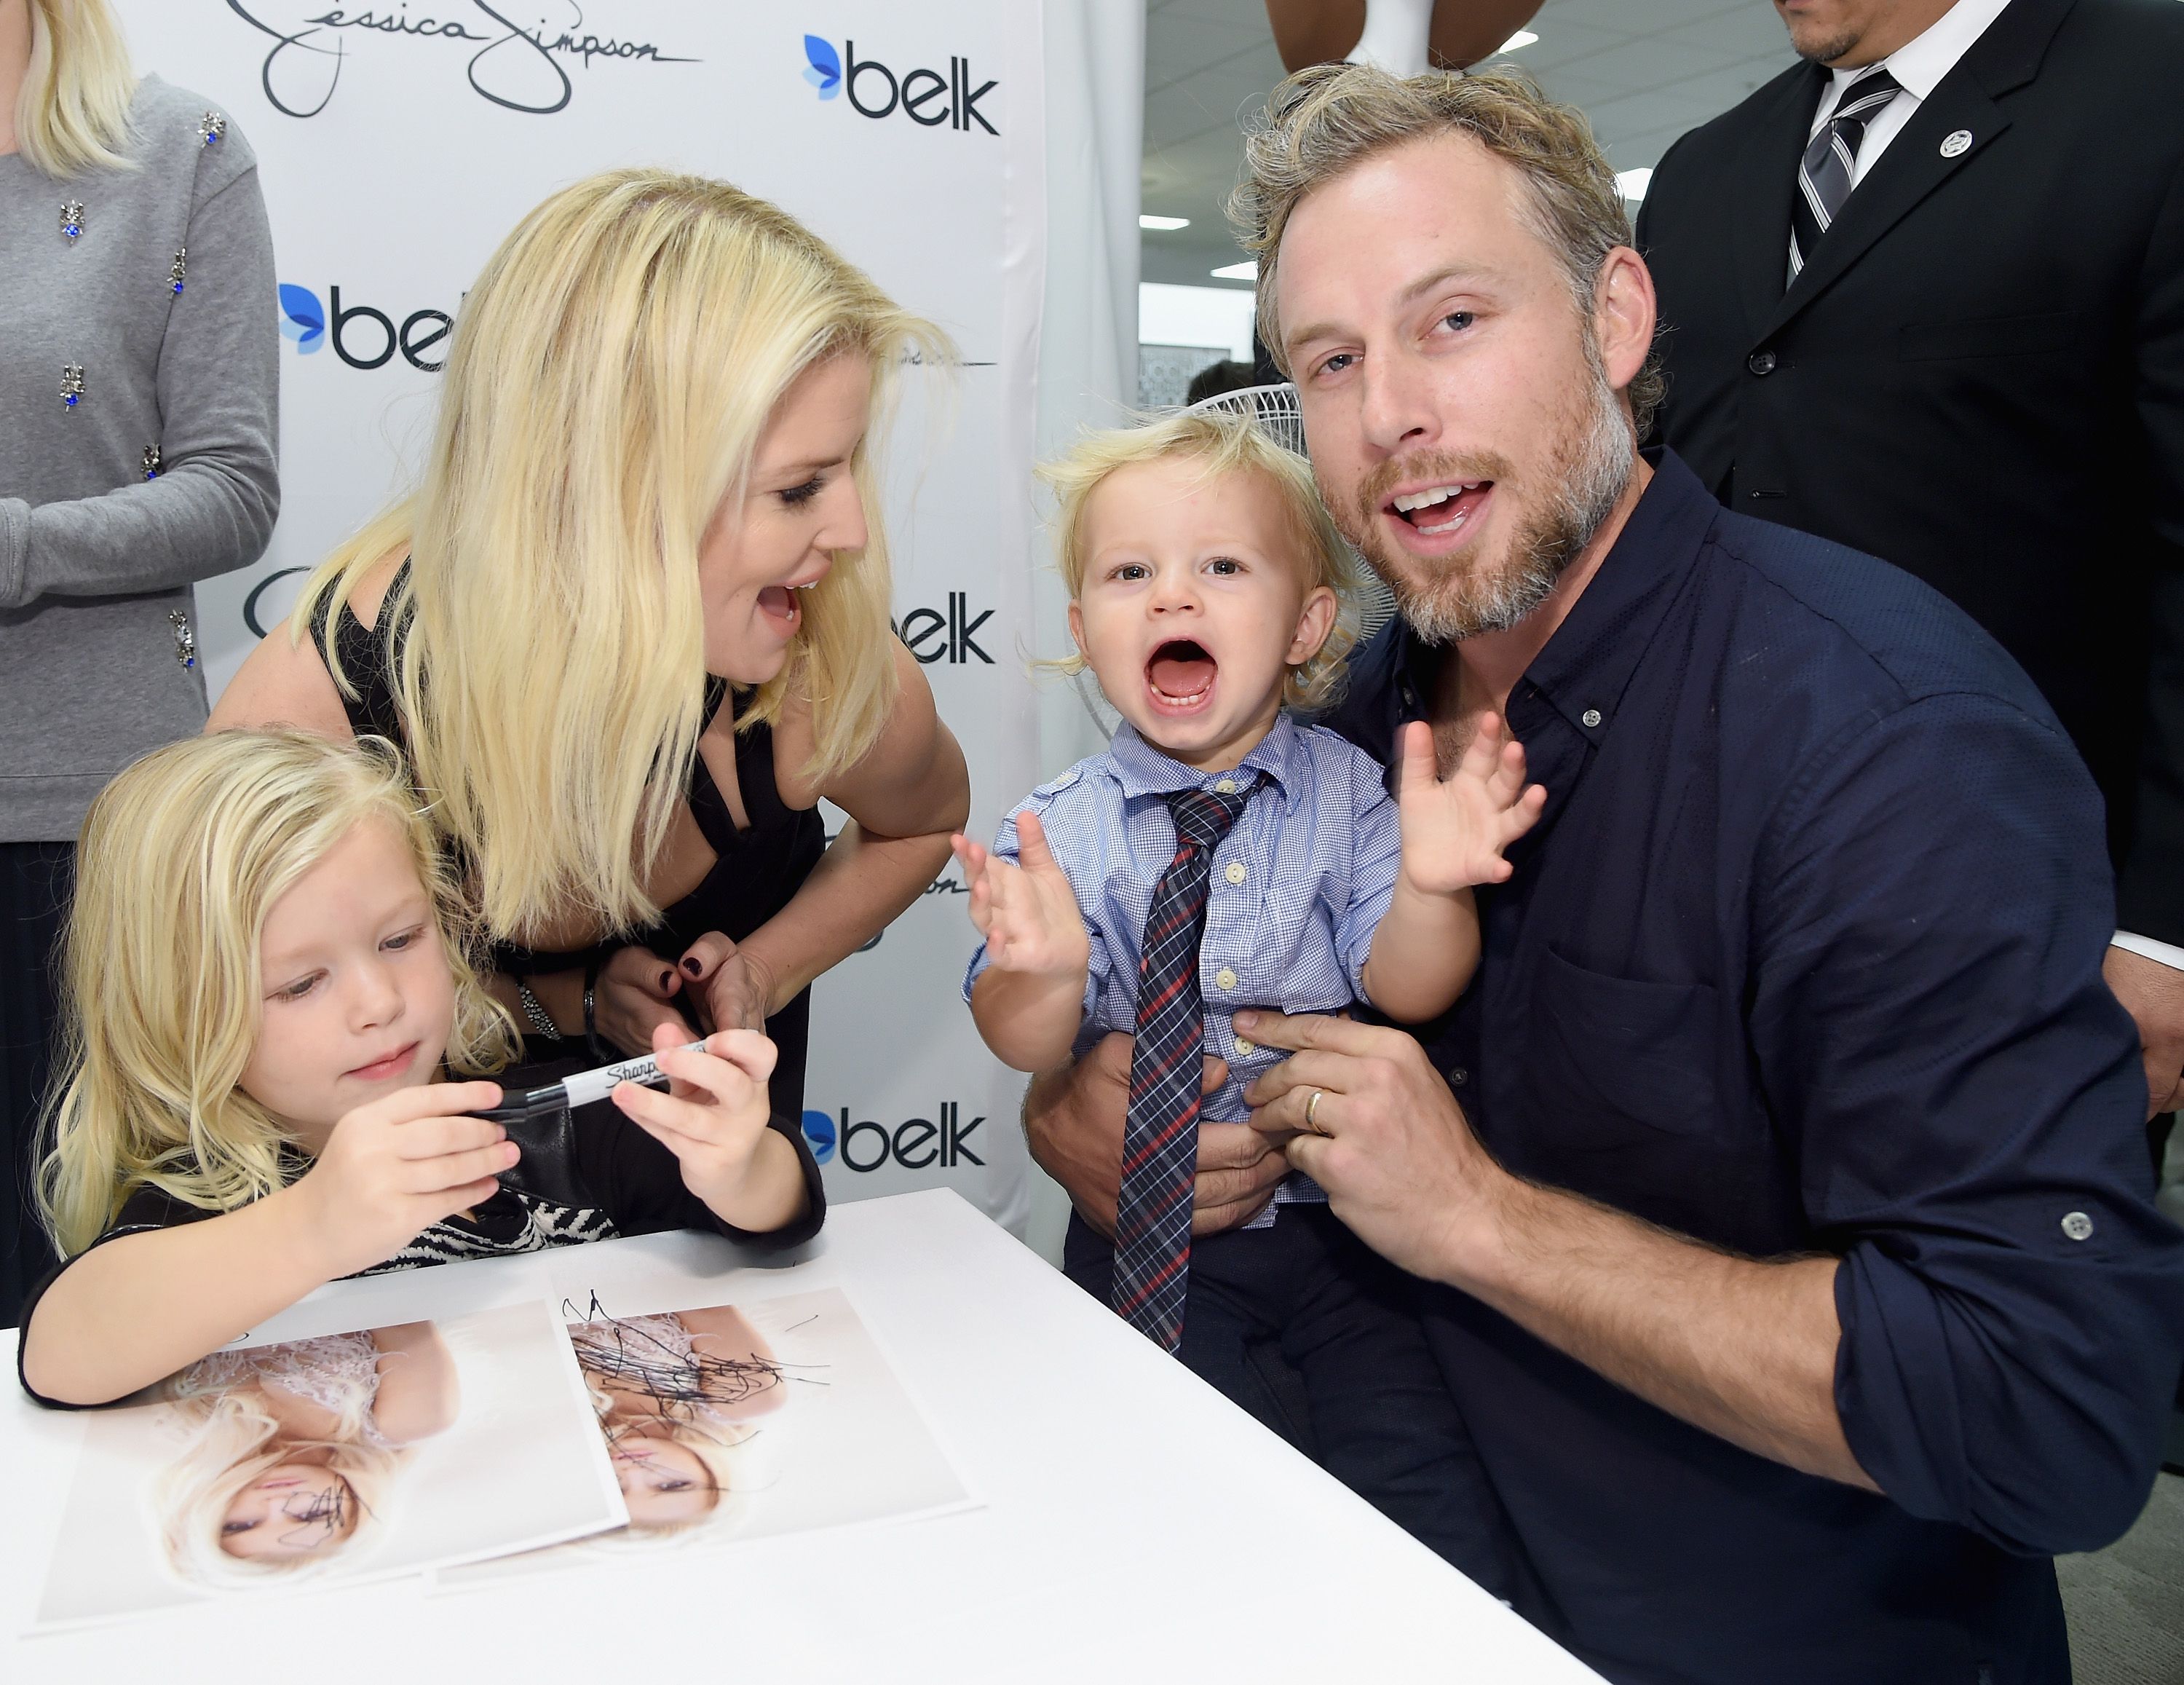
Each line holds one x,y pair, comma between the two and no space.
1918,66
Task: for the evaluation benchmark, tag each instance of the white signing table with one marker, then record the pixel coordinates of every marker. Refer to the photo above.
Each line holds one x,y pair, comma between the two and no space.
1135,1523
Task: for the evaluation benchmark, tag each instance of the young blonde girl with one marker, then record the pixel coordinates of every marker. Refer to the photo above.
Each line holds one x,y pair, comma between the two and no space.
262,985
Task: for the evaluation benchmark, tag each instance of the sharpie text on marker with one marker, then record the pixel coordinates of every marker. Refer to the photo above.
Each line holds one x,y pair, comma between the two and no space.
582,1089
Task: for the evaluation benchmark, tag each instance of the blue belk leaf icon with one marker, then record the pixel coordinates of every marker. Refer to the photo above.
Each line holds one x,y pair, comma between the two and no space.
823,69
303,318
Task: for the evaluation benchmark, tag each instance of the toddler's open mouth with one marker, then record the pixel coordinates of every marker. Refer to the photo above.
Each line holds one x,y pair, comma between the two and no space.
1181,673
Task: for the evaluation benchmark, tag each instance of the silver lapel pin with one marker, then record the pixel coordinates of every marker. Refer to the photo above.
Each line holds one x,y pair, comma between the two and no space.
177,269
151,461
71,383
72,219
213,126
1958,143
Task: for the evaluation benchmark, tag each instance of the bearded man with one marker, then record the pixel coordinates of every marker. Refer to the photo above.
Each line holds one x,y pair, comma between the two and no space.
1776,1193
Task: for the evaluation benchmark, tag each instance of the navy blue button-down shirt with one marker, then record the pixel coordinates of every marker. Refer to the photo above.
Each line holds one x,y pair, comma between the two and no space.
1805,958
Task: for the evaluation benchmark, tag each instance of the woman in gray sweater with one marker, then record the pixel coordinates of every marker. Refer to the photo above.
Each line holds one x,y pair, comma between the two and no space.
139,381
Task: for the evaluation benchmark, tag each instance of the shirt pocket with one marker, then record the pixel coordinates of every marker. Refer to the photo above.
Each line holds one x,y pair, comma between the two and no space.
1622,1059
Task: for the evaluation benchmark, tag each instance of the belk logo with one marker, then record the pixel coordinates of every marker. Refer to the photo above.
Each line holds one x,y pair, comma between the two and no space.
932,636
915,1143
362,337
926,96
302,318
822,69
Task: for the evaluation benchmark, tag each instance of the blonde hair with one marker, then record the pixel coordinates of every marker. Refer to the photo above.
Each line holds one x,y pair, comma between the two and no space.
1219,444
233,1440
1324,122
73,112
609,378
180,861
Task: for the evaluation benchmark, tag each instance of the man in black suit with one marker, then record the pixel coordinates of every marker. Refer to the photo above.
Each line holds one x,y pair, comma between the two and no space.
1924,296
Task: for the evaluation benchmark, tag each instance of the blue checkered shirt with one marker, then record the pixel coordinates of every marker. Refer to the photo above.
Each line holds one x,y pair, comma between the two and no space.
1296,889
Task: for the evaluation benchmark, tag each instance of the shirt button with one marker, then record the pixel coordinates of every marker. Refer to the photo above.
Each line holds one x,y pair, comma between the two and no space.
1244,1046
2078,1226
1227,786
1224,979
1458,1076
1235,872
1591,717
1761,362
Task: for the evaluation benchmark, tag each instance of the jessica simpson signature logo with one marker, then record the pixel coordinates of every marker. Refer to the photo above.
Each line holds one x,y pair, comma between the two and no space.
522,68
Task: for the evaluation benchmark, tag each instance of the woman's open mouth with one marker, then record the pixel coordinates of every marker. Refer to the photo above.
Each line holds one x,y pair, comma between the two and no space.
781,607
1440,512
1180,676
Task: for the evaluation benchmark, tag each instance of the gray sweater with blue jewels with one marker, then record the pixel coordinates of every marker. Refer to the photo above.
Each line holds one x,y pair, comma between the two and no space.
99,542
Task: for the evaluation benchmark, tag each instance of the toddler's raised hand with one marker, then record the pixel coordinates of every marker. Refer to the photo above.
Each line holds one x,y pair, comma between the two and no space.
1028,913
714,1114
393,1168
1454,830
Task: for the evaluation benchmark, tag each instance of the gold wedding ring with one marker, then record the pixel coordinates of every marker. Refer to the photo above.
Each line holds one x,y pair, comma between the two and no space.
1312,1111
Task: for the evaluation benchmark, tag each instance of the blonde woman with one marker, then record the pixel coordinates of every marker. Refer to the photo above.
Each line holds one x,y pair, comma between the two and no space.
634,623
265,989
139,388
289,1451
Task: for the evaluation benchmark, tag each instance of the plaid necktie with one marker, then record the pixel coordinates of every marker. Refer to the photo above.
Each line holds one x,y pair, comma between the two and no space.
1160,1141
1823,176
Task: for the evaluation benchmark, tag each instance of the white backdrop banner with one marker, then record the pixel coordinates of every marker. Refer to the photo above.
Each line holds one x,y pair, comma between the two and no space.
398,144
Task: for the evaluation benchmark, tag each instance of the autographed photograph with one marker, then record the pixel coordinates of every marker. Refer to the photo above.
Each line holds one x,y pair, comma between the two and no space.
332,1461
739,1422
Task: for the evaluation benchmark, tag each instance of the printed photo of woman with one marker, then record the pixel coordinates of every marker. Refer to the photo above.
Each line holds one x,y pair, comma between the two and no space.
293,1450
681,1398
327,1460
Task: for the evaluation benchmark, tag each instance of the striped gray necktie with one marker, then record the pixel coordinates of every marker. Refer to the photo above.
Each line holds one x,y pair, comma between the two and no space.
1824,175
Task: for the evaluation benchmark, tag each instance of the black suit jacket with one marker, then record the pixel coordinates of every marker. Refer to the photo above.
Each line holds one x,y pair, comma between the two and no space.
1980,377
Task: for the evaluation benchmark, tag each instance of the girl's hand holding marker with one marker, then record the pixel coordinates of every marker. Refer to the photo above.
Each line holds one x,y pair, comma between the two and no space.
392,1168
713,1116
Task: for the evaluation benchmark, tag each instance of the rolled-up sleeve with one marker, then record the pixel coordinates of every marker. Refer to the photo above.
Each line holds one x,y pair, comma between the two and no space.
1966,1101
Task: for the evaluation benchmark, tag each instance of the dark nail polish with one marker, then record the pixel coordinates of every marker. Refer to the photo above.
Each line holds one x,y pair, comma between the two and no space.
667,977
692,966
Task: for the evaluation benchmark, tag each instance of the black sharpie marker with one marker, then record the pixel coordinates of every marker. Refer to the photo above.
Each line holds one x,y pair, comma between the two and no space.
580,1090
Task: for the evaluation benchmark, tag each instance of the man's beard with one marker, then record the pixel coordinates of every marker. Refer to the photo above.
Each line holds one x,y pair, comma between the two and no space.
1588,476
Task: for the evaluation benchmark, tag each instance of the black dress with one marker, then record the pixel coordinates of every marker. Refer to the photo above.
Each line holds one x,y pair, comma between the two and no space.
757,870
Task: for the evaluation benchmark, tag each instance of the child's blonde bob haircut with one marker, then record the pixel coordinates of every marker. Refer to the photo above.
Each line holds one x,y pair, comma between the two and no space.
1221,444
179,860
608,380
